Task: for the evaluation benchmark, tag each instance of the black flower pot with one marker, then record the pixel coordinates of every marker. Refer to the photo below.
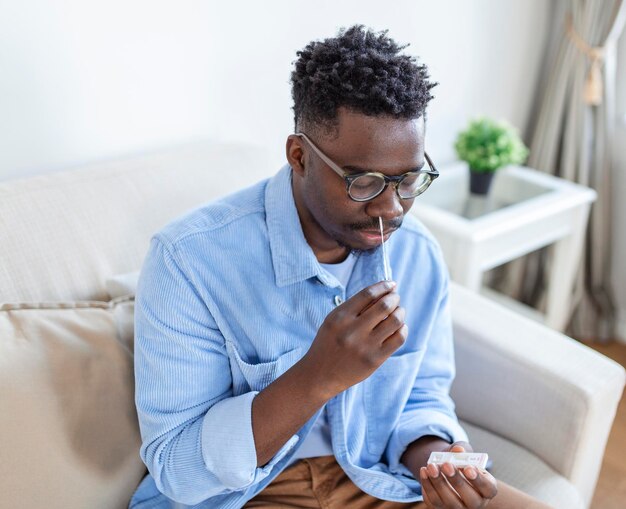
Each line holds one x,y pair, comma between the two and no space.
480,182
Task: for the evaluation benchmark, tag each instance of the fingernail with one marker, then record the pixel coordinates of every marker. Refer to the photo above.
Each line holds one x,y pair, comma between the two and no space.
390,284
448,470
433,471
423,473
470,473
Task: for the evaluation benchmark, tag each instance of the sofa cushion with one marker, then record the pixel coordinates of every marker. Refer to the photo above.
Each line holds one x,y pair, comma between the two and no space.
69,437
64,232
519,467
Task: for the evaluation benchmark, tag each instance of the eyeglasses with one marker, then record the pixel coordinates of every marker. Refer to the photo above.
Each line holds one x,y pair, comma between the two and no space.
367,186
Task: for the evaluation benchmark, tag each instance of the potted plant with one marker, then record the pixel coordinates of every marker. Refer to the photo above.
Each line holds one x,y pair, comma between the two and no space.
487,145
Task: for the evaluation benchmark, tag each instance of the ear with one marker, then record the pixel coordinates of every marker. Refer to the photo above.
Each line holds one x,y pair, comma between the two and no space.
295,154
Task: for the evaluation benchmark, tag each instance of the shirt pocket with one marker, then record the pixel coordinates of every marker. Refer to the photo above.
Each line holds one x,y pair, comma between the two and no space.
387,392
256,377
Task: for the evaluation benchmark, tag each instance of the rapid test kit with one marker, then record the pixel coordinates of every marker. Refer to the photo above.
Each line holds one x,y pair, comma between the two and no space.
460,459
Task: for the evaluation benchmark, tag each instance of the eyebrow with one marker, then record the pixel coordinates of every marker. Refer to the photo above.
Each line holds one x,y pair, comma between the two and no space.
358,169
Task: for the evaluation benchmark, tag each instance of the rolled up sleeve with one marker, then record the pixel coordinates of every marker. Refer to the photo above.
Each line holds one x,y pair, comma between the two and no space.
229,451
197,437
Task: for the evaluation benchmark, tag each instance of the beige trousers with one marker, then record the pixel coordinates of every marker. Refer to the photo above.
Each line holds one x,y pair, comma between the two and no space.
320,483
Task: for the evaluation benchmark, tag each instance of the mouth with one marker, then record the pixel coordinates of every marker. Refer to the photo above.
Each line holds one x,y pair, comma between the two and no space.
372,237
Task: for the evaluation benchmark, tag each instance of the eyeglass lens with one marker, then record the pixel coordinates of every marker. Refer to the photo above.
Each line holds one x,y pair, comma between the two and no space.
368,186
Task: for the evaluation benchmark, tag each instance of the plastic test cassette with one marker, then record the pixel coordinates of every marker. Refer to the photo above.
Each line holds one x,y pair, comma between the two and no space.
460,459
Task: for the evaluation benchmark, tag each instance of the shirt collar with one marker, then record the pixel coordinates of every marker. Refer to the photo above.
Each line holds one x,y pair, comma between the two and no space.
292,257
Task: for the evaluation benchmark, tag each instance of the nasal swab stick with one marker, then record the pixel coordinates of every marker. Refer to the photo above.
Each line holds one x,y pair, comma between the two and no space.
386,266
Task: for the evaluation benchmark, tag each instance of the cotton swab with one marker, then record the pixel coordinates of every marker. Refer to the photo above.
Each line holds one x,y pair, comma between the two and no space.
386,267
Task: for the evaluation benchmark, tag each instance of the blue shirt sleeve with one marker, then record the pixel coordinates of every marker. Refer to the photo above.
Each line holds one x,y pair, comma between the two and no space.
430,409
197,438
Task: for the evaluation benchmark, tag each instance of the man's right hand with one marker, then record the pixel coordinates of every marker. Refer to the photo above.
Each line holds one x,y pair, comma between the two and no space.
356,338
353,341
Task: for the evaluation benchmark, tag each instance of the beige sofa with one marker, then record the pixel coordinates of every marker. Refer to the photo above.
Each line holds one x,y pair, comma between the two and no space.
541,404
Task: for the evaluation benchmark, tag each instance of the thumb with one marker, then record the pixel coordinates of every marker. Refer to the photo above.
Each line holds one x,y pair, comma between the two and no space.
460,446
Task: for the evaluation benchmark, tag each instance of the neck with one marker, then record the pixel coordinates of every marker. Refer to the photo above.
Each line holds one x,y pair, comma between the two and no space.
325,248
333,257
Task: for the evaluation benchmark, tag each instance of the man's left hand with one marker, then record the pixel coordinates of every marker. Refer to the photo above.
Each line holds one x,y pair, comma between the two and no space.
451,488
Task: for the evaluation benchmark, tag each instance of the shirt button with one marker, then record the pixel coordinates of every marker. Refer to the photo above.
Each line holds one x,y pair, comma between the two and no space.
338,300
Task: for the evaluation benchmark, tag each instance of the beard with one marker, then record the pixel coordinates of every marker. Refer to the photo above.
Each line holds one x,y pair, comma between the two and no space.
374,225
370,225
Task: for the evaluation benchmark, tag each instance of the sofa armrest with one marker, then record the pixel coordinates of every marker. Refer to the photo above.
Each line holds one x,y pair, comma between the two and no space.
534,386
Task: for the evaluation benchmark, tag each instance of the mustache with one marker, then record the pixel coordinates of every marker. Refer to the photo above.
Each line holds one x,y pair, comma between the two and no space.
373,225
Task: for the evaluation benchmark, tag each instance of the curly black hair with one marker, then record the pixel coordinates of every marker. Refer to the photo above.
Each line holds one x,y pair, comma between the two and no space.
361,70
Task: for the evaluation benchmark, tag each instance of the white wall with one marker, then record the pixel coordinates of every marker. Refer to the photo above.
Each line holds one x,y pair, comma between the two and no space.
619,194
84,80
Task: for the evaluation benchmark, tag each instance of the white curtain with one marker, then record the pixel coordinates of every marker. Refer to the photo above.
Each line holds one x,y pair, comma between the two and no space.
572,139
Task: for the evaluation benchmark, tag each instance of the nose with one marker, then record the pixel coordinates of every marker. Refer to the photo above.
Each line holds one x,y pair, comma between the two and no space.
386,205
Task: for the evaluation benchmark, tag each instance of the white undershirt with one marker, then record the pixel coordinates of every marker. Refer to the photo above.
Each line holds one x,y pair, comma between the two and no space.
317,443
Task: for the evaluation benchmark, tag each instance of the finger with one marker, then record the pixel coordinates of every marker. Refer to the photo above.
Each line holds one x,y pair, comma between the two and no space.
390,324
359,302
461,446
468,494
426,500
428,491
449,498
380,310
482,481
395,341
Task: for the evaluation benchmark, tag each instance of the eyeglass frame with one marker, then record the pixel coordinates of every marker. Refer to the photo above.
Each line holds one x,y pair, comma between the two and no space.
433,173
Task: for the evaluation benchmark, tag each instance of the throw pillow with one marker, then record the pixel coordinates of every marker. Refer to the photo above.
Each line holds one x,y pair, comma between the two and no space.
68,427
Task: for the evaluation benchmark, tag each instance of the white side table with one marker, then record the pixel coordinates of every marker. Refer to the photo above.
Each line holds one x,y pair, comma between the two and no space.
524,211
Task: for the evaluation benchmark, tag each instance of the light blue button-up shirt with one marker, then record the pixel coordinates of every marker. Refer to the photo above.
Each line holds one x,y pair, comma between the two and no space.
229,298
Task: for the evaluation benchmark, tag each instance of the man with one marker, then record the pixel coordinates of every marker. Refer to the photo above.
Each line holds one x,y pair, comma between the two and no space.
274,366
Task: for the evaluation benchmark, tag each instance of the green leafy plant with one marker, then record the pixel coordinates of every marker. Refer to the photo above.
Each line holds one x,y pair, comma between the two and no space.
487,145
